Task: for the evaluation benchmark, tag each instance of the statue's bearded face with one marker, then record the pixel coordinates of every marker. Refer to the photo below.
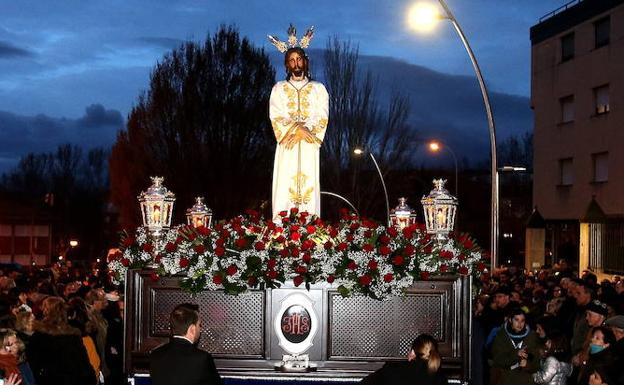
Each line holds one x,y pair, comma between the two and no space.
296,64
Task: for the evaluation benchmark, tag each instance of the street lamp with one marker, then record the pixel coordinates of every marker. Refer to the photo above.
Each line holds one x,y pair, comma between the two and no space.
421,15
435,146
360,151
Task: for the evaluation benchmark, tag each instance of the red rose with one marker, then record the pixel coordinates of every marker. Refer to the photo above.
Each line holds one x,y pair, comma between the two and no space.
272,274
427,249
200,249
220,251
285,221
368,234
384,250
328,245
372,264
424,275
330,279
301,269
461,257
125,262
158,258
409,250
480,266
128,242
192,236
368,224
295,236
342,246
259,246
333,232
388,277
392,232
344,214
307,258
231,270
463,270
304,214
408,232
225,234
352,265
241,243
271,263
365,280
294,228
220,242
170,247
443,268
294,211
154,276
203,230
283,213
311,229
280,239
283,253
350,238
217,279
307,244
298,280
446,254
384,239
354,226
252,281
368,247
468,244
294,252
148,247
397,260
184,262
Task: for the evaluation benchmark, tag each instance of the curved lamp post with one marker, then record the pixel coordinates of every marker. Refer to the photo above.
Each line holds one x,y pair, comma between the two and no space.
421,15
435,146
360,151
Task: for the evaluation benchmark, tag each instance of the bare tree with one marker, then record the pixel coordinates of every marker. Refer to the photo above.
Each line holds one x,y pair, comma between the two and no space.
357,119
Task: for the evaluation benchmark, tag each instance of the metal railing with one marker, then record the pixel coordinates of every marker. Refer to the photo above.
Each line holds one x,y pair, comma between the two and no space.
559,10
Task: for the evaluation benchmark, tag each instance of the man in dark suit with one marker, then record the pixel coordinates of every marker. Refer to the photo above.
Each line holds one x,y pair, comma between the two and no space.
180,362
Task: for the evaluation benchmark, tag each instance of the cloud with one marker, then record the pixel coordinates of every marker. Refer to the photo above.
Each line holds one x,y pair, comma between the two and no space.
8,50
162,42
20,135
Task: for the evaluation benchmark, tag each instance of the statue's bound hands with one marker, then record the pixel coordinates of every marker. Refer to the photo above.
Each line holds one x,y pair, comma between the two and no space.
300,133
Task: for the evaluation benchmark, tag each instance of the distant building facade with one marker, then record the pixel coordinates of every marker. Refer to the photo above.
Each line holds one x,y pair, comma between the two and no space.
577,94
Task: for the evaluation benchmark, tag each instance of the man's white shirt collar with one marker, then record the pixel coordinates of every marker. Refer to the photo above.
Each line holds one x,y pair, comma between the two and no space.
183,338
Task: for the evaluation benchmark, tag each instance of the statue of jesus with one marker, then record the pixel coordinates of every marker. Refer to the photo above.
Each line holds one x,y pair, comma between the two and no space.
299,112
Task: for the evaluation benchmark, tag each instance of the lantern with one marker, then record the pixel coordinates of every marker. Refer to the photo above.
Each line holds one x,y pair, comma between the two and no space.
439,208
156,207
402,216
199,214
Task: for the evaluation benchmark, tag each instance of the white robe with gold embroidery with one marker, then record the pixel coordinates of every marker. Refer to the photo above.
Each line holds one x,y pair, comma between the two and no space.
296,171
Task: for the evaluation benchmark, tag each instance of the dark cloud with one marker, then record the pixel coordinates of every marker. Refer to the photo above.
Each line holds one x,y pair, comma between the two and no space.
163,42
8,50
97,116
20,135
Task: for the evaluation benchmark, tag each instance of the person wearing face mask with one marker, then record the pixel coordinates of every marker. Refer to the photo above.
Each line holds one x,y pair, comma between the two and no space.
600,358
299,113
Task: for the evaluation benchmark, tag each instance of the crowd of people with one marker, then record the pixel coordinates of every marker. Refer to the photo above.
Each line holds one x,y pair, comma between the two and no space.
548,327
60,325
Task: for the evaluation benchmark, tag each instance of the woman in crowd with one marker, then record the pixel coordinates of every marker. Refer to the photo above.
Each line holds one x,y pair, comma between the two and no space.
56,352
421,368
78,317
15,347
600,358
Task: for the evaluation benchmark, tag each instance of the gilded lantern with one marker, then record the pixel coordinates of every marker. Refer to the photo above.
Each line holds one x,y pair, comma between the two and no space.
199,214
402,216
439,208
156,207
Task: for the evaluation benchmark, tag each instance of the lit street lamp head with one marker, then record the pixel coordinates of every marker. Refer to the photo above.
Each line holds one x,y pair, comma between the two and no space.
423,16
358,151
434,146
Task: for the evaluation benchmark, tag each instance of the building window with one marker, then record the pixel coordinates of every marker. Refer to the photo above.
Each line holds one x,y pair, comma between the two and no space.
567,109
566,175
602,32
601,99
567,47
601,166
